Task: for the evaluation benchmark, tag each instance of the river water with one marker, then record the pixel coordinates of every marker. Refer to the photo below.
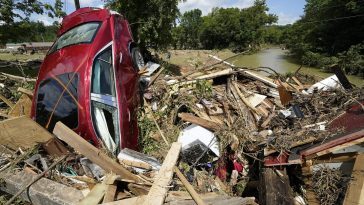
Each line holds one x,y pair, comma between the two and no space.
278,60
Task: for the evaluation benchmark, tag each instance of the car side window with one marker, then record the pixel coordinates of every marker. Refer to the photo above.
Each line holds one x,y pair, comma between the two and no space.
57,100
104,110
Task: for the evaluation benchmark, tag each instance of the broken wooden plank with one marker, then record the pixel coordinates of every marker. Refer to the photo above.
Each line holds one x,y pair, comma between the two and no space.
196,197
92,153
22,132
243,98
95,196
159,189
298,82
199,121
22,107
284,95
110,193
155,77
355,191
26,91
6,101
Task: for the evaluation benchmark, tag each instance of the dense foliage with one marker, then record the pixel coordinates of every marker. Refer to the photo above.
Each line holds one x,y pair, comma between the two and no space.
11,10
25,31
331,31
232,28
151,20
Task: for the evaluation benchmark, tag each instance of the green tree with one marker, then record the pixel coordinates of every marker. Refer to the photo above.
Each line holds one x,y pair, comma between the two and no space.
25,31
151,21
10,10
235,28
191,22
328,32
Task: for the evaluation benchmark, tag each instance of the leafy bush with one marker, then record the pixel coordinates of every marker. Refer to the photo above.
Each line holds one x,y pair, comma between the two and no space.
352,60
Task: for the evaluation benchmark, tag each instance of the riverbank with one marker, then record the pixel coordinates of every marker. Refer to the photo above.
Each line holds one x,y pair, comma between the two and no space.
275,58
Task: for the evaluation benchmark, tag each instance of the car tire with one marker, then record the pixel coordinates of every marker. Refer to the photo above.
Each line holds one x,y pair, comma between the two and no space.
137,58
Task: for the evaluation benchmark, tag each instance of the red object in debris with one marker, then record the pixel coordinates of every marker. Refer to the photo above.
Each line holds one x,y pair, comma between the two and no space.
280,160
226,164
89,79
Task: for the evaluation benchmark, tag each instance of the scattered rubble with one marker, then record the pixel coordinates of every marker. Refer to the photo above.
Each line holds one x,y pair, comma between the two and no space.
220,134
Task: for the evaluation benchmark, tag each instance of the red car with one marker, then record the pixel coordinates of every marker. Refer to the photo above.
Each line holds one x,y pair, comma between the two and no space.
89,80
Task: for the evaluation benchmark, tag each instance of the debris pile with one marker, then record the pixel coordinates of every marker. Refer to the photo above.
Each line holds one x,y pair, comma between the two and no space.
216,135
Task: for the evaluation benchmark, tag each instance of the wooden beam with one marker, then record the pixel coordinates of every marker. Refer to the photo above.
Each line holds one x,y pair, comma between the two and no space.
195,196
355,192
6,101
22,132
92,153
159,189
199,121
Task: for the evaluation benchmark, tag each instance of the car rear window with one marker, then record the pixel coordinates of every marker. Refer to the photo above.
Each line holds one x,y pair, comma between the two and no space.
57,101
84,33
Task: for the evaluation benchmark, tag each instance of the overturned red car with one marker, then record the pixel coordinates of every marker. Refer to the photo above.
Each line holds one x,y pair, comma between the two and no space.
89,80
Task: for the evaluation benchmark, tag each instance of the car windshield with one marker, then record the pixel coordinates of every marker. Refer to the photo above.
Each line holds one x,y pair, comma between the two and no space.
81,34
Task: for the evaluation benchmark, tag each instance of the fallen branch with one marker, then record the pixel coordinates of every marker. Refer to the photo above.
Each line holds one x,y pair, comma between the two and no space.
19,78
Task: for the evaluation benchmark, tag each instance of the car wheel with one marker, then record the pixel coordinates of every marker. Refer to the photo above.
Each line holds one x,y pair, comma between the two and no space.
137,58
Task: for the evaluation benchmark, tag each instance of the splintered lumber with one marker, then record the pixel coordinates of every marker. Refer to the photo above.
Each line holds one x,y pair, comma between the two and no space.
355,191
26,91
22,107
189,187
92,153
298,83
155,76
110,193
95,196
199,121
22,132
250,74
243,98
159,189
6,101
274,189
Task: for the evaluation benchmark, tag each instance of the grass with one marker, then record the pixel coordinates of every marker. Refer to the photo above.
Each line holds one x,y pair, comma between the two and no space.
21,57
